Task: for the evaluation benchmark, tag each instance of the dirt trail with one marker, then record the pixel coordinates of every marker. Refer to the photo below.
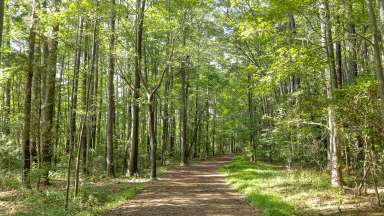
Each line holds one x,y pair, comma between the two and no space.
196,190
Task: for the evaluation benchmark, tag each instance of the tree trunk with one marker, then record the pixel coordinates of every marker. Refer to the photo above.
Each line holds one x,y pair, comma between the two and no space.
75,84
72,114
59,108
85,79
111,95
7,89
381,12
334,148
183,113
251,119
94,93
1,27
127,147
133,169
165,118
351,43
36,115
207,141
49,101
152,134
376,50
25,149
339,63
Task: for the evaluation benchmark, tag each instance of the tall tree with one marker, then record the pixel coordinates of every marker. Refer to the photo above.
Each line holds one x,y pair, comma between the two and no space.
330,77
1,25
377,52
47,138
139,25
73,105
151,94
111,94
25,148
183,98
351,42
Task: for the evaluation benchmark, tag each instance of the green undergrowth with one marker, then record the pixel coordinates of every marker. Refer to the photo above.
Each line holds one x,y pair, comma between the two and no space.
98,194
278,191
94,198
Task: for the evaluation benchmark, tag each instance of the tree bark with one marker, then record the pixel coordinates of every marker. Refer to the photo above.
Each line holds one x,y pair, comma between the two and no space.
59,108
377,53
251,116
1,26
381,12
133,169
339,63
7,88
183,112
111,95
351,43
334,148
165,118
94,92
36,115
152,134
207,116
49,100
25,149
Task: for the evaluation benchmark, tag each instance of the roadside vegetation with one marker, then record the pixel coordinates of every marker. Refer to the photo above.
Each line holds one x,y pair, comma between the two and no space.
277,190
96,196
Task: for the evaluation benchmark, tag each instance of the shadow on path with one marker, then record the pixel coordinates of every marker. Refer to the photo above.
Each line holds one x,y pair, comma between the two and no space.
198,189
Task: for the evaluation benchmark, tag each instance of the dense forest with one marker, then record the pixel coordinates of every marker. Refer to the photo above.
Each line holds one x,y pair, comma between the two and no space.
120,89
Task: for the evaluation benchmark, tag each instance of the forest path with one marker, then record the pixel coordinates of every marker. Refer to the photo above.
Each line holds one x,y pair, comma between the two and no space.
193,190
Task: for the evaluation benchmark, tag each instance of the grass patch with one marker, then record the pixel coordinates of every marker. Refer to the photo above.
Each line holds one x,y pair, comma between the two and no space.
94,199
98,194
279,191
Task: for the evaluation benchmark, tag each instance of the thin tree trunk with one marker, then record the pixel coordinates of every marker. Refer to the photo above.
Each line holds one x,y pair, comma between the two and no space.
251,120
75,84
79,144
59,108
85,79
1,28
7,89
72,114
94,93
165,118
207,153
183,113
